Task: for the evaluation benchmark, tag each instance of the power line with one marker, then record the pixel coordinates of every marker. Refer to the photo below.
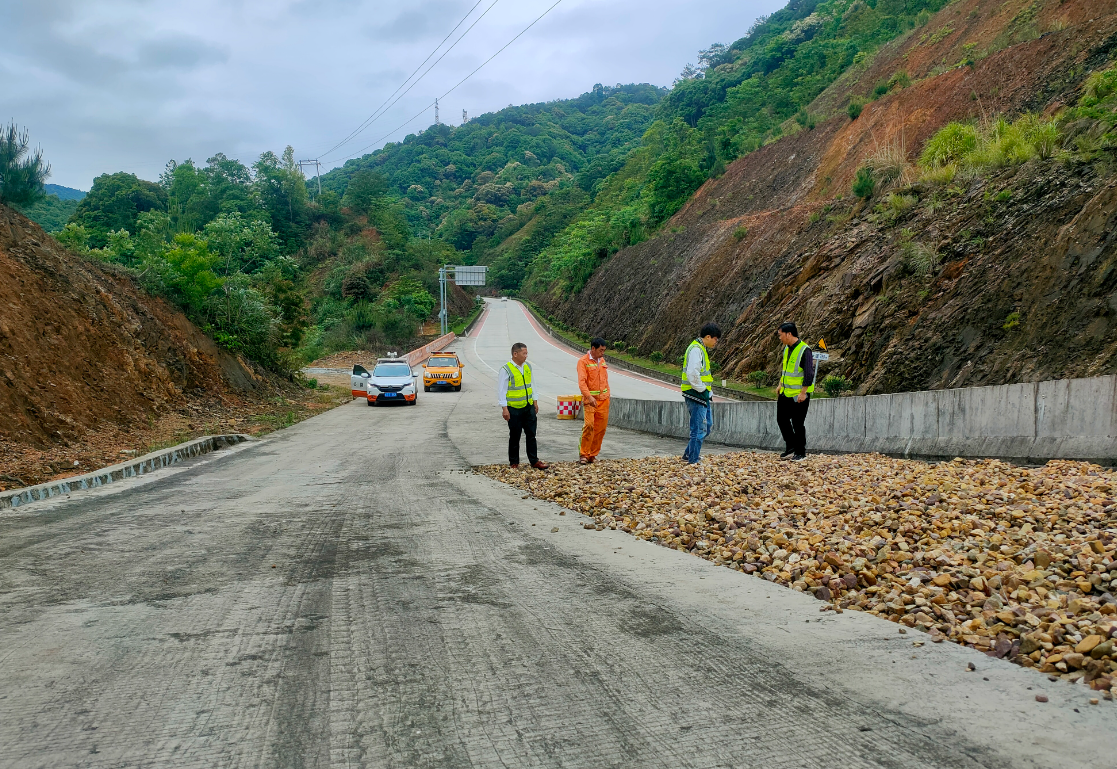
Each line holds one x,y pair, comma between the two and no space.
365,122
467,77
486,61
386,106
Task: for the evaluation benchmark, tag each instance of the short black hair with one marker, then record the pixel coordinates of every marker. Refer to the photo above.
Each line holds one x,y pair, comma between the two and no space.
518,346
598,342
789,328
710,329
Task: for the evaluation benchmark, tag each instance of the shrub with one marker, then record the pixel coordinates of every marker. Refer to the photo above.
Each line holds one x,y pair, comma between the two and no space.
864,184
940,175
900,79
835,385
620,346
889,162
757,378
897,205
1099,87
633,349
949,145
1012,321
740,233
995,145
881,89
920,259
656,357
854,109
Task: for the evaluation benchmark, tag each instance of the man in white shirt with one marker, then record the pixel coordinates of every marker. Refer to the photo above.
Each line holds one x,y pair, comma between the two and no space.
518,406
697,387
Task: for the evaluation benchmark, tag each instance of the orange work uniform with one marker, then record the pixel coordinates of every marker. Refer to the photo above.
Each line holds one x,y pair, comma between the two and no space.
593,381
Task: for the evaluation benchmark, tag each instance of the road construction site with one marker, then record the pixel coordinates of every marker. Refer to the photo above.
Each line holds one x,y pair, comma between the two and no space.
348,592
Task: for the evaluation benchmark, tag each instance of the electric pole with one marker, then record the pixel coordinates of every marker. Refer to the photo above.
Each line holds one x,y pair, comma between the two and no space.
436,112
317,169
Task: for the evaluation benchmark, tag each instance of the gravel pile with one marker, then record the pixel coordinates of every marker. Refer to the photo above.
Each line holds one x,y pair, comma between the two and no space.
1016,562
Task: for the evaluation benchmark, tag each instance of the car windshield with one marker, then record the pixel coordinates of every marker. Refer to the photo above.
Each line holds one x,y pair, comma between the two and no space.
449,362
392,369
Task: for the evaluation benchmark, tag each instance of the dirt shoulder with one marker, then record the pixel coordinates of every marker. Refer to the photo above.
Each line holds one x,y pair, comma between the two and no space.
26,465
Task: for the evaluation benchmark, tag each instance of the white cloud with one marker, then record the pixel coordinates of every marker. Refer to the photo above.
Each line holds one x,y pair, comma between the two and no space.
108,85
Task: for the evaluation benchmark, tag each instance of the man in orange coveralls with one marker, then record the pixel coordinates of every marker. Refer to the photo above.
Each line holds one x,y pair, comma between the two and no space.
593,381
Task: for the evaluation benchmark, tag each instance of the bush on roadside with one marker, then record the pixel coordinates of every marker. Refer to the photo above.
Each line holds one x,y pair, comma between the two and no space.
757,378
656,357
835,385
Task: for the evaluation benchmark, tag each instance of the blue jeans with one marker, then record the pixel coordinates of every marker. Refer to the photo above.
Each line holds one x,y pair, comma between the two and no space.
701,425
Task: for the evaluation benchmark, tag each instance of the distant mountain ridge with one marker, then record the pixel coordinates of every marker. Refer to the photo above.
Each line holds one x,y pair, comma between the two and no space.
64,193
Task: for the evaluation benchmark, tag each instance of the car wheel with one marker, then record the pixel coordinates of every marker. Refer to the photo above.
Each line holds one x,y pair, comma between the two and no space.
426,388
457,388
372,403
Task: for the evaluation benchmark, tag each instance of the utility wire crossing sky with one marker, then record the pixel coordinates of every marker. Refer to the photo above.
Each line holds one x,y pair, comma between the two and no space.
126,85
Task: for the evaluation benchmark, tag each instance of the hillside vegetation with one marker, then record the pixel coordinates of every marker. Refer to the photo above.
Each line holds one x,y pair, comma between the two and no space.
955,230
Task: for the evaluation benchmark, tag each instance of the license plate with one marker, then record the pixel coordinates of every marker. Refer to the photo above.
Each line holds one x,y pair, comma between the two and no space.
389,395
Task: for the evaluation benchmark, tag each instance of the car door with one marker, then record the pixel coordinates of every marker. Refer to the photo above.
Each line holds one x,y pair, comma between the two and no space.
359,381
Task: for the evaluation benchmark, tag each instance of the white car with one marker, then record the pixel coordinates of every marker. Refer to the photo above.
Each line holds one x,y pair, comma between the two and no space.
391,381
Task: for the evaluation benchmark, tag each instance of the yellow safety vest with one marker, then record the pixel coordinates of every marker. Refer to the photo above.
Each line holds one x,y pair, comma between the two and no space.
519,386
791,382
707,377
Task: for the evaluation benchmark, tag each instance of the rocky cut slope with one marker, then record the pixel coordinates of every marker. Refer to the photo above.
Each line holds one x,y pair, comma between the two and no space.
81,347
989,278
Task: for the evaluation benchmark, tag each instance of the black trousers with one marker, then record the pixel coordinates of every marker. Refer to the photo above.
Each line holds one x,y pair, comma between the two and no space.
522,420
790,417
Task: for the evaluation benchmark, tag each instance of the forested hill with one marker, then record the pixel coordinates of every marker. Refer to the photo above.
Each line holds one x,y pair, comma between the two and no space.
476,184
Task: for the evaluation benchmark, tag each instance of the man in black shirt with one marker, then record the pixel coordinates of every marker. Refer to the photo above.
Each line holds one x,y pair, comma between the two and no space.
796,386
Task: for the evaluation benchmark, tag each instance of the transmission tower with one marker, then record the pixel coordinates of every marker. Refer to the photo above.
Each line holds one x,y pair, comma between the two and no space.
317,169
465,117
436,121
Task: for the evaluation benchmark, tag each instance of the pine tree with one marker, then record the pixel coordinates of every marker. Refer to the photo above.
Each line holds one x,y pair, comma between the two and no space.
21,174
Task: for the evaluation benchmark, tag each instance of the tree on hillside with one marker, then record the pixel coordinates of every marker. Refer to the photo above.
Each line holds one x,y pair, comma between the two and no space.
365,188
22,174
282,189
198,195
114,202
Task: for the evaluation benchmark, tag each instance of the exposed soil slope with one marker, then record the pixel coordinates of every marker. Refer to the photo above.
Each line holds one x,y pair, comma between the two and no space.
81,346
1029,258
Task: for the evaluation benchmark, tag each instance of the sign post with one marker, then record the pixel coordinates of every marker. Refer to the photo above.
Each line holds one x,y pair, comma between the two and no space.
462,276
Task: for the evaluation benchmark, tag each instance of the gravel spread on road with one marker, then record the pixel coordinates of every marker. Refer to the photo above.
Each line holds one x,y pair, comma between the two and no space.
1017,562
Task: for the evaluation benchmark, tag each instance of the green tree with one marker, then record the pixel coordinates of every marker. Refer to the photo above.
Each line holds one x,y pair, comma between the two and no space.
282,190
186,274
114,203
364,188
22,173
241,245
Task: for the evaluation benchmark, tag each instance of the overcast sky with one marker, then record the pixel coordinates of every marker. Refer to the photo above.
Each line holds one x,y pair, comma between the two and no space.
125,85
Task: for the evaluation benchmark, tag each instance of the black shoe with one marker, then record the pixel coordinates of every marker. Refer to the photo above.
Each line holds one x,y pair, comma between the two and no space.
798,457
787,455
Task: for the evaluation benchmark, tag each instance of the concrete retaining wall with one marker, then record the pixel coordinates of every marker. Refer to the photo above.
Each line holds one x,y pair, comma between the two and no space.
1030,423
139,466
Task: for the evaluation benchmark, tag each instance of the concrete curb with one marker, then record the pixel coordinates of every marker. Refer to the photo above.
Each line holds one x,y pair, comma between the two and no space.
1024,423
624,365
136,467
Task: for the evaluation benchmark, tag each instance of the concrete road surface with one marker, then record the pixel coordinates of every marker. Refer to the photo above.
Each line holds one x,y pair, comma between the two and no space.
346,593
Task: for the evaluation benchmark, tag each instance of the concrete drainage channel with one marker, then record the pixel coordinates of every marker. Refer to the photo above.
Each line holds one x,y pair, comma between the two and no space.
130,469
